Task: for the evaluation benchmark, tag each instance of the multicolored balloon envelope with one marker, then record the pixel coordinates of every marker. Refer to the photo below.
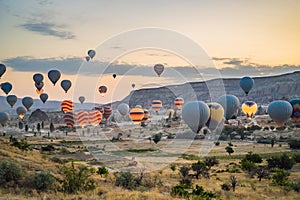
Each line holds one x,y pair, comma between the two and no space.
69,119
146,115
216,115
91,53
107,112
280,111
179,102
67,106
95,117
156,105
136,115
66,85
296,110
249,108
38,78
21,111
82,118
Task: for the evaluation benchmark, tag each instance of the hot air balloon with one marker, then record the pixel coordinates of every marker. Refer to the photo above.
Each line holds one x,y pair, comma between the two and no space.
146,115
179,102
66,85
195,114
87,58
82,118
101,109
21,112
27,102
133,85
296,110
39,86
114,75
123,108
2,70
230,104
11,100
107,112
92,53
39,92
102,89
67,106
170,112
249,108
81,99
280,111
136,115
44,97
159,68
38,78
216,115
95,117
138,106
69,119
4,117
54,76
156,105
6,87
246,83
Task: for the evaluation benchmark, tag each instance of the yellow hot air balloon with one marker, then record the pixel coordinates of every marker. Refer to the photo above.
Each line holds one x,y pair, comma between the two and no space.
249,108
136,115
216,115
170,112
179,102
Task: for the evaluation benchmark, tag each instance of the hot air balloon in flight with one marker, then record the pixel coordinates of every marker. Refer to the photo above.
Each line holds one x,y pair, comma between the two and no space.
296,110
156,105
81,99
39,92
170,113
246,83
67,106
102,89
87,58
114,75
4,117
2,70
38,78
39,88
27,102
216,115
54,76
101,109
69,119
82,118
133,85
66,85
123,108
107,112
6,87
179,102
44,97
230,104
11,100
159,68
92,53
146,115
195,114
138,106
136,115
95,117
249,108
280,111
21,111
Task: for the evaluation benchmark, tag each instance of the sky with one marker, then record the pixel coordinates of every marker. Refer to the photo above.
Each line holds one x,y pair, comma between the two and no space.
238,38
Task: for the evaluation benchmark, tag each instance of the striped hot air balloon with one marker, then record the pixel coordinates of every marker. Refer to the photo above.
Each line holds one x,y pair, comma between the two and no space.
146,115
107,112
156,105
95,117
101,109
249,108
216,115
136,115
179,102
69,119
82,118
67,106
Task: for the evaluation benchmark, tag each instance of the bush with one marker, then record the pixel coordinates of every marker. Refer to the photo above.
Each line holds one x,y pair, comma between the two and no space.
42,181
179,190
126,180
10,173
102,171
229,150
173,167
280,177
281,162
217,143
253,157
296,157
211,161
294,144
225,187
184,171
23,144
200,169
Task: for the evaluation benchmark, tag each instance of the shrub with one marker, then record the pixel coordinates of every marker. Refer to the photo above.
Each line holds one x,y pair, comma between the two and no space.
23,144
102,171
225,187
229,150
184,171
294,144
10,172
281,162
211,161
280,177
217,143
179,190
253,157
173,167
296,157
42,181
126,180
200,169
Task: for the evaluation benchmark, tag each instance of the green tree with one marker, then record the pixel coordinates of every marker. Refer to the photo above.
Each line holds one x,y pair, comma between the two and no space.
229,150
184,171
273,140
200,169
126,180
51,127
157,138
262,172
102,171
280,177
281,162
253,157
211,161
10,173
42,181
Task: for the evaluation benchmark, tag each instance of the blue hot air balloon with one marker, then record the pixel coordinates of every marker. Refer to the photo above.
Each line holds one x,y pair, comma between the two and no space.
6,87
38,78
280,111
66,85
2,69
246,83
44,97
4,117
195,114
231,105
92,53
27,102
296,110
11,100
81,99
54,76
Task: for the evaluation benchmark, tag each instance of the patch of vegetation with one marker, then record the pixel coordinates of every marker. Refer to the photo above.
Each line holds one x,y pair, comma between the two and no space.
294,144
198,192
190,157
141,150
281,162
10,173
23,144
102,171
43,181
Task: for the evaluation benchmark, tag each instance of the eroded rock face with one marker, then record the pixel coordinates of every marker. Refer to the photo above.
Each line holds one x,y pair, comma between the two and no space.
38,116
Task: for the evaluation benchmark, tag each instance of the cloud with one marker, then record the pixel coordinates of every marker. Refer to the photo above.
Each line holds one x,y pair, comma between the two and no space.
233,62
48,28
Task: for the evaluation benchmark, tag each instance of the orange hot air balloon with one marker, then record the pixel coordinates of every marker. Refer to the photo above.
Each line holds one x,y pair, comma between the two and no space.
179,102
146,115
136,115
69,119
39,92
107,112
249,108
82,118
67,106
95,117
156,105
